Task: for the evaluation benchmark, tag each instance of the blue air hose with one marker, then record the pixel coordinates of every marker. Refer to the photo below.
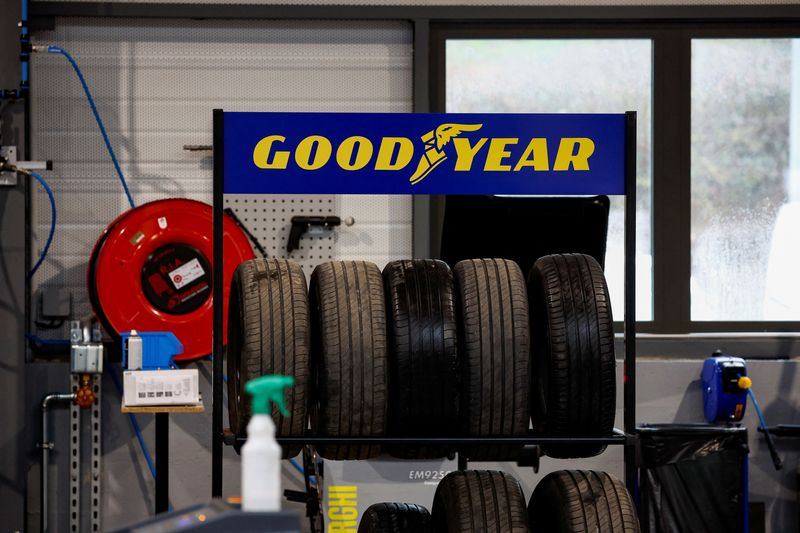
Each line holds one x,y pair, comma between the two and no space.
52,222
47,342
299,468
773,452
58,50
757,408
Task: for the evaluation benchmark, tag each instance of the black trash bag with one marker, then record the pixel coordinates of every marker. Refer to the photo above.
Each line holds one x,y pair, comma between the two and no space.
692,478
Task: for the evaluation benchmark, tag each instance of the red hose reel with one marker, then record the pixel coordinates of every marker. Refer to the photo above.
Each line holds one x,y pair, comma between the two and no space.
151,270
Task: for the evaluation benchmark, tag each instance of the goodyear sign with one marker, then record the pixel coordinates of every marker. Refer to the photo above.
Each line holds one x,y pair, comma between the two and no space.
405,153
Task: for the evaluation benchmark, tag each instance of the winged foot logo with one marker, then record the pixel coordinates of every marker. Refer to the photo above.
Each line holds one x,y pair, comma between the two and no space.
497,154
434,147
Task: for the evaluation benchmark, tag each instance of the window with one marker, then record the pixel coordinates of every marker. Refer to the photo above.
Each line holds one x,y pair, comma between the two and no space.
718,144
568,76
745,178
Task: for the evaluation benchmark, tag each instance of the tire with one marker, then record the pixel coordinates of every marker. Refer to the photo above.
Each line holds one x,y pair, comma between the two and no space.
269,333
581,501
574,376
494,338
395,518
423,358
349,333
479,500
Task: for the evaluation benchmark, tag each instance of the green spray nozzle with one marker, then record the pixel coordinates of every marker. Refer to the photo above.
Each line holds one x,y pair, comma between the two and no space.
268,389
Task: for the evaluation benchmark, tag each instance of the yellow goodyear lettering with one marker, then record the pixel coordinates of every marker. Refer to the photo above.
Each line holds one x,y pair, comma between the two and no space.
396,153
497,154
405,152
342,509
302,155
568,155
360,146
465,152
262,150
535,155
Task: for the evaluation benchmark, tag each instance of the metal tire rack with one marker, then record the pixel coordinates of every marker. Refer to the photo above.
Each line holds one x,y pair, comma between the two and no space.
312,497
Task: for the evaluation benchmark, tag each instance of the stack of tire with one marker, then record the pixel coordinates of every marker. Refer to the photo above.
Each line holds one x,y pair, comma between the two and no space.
421,350
566,501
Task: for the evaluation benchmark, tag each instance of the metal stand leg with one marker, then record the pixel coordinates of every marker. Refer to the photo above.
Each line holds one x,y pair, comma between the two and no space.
96,457
629,387
313,492
462,461
631,477
74,458
162,462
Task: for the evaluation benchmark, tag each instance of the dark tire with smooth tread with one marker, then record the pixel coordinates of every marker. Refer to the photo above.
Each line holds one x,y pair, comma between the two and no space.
574,375
269,333
488,501
582,501
423,357
349,335
494,340
395,518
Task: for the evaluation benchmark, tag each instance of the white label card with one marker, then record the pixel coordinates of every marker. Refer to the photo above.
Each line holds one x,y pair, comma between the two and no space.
185,274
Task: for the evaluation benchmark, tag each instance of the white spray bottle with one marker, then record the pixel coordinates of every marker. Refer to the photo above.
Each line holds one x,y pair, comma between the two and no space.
261,454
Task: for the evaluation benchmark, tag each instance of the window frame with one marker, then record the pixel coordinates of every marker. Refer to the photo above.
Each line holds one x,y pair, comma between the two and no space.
671,140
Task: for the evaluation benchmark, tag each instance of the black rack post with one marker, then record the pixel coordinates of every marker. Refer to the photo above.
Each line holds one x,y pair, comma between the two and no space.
216,400
629,383
162,462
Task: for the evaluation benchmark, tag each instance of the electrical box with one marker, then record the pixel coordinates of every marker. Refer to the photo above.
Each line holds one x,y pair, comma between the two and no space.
56,302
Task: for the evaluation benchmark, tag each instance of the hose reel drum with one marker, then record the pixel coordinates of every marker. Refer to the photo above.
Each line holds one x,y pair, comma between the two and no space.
152,270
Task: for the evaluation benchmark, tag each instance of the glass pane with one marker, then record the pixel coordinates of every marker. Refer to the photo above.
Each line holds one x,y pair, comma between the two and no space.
745,179
569,76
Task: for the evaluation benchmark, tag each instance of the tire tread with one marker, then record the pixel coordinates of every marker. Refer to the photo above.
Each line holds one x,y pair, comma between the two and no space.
494,337
269,333
574,370
349,324
582,501
479,500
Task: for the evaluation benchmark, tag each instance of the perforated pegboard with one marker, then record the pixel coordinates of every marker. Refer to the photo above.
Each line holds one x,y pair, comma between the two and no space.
381,231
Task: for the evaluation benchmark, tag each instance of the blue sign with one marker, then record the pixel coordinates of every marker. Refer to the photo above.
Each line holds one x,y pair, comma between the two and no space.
410,153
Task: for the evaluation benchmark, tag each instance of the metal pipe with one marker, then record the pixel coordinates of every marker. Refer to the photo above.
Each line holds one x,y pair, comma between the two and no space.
46,446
